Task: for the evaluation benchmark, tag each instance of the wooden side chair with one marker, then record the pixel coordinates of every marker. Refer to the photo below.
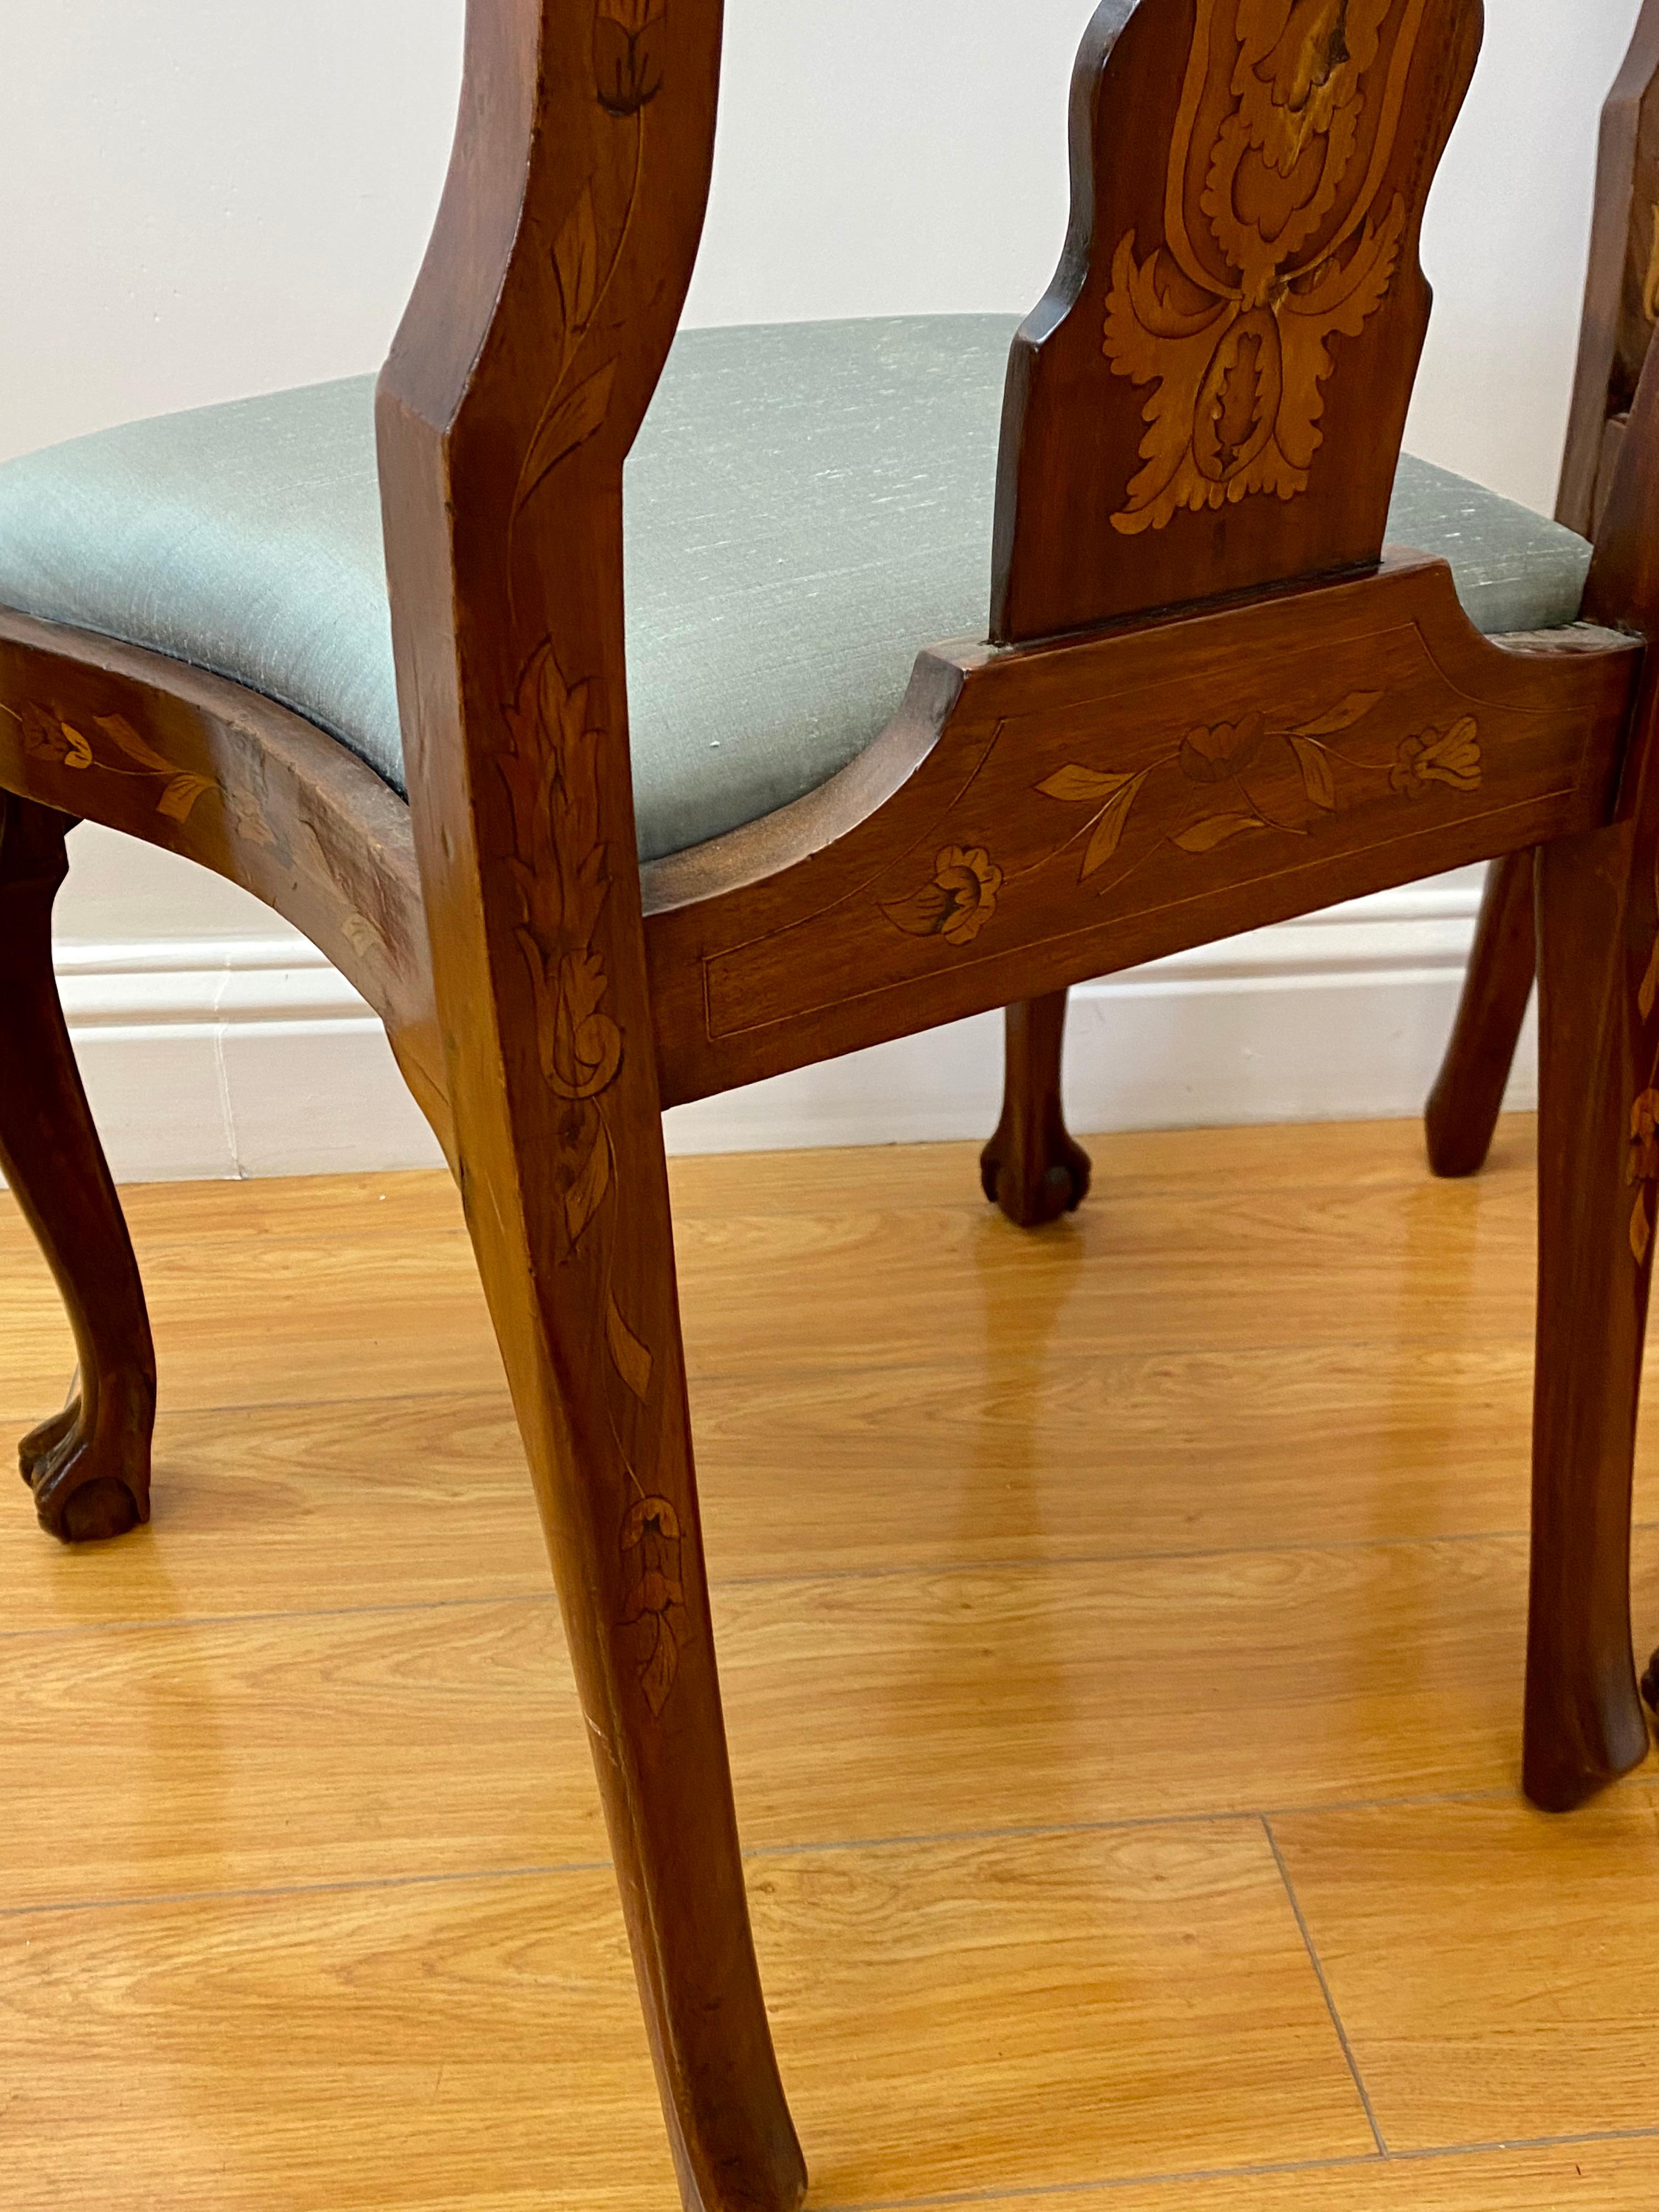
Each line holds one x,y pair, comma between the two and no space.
1032,1168
1621,302
649,815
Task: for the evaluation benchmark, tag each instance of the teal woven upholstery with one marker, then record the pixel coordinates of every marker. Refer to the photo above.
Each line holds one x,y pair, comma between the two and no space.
807,504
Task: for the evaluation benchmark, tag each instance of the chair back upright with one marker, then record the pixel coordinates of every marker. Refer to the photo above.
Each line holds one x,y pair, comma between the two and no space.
1621,291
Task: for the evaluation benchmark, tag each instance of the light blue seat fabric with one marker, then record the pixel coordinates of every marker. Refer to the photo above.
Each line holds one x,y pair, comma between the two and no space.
807,505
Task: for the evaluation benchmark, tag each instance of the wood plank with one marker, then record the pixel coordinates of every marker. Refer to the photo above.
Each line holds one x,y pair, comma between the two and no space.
1055,1567
1492,1965
1598,2176
271,1509
375,1744
962,1461
1131,1167
242,1321
958,2016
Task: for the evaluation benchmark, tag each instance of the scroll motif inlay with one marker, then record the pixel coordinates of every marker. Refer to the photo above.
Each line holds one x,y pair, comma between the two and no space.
1273,245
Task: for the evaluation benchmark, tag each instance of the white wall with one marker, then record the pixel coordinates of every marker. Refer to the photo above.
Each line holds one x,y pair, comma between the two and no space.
204,201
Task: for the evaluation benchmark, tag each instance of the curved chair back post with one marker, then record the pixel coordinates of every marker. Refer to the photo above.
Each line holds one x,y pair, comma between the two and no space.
1212,394
538,330
523,367
1621,291
526,361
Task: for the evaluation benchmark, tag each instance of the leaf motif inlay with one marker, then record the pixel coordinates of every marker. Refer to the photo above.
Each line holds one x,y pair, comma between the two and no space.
1230,318
47,736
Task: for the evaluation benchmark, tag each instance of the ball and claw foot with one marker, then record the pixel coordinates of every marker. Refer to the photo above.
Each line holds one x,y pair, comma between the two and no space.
89,1488
1031,1192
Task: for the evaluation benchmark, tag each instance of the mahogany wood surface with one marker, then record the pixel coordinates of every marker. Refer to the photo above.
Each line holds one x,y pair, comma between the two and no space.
1621,291
1621,299
1468,1092
208,769
1091,805
522,370
88,1465
1031,1168
1598,1174
1240,312
1238,309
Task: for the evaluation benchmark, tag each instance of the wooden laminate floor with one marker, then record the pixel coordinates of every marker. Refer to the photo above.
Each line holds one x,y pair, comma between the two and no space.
1121,1629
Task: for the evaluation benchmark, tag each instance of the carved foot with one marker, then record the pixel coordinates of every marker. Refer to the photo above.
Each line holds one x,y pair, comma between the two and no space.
1032,1190
91,1477
1032,1169
1650,1685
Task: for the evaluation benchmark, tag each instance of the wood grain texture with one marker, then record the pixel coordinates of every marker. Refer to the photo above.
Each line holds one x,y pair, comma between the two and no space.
1079,813
1032,815
1598,1170
949,2020
88,1463
522,369
1001,2012
1211,395
1621,291
210,769
389,1741
1462,1893
1468,1092
1591,2175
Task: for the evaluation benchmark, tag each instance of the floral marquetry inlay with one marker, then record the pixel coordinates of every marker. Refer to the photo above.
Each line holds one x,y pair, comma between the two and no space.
955,903
651,1541
559,868
1276,243
117,749
1217,782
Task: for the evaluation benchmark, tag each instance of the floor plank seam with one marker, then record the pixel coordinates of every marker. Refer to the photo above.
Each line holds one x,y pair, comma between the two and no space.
1175,2177
1186,2177
1318,1965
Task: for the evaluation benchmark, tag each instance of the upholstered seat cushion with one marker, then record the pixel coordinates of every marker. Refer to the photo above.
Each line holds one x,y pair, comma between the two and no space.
807,504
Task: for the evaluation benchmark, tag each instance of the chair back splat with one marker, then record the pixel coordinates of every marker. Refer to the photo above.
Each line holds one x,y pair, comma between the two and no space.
1212,394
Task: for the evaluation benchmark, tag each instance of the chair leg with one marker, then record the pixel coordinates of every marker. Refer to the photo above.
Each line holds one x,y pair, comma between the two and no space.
607,1427
88,1467
1596,1186
1468,1093
1031,1168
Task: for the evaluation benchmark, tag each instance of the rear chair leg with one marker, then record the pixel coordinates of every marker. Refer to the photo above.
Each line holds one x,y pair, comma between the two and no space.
1468,1093
88,1465
1598,1182
1031,1168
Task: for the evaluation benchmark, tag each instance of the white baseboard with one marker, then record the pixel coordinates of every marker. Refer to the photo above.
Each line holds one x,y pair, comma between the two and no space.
244,1056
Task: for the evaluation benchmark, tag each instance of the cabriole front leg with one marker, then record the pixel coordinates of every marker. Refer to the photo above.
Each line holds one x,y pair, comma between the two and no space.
89,1465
